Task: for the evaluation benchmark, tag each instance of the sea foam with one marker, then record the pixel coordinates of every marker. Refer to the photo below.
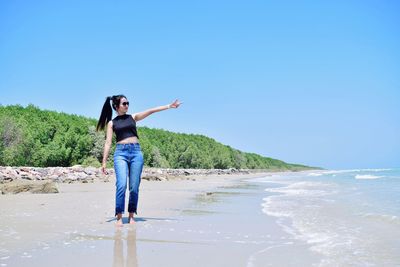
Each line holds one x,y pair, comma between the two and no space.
367,176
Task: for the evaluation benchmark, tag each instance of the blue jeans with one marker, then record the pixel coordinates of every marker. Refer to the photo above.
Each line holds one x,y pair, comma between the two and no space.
128,163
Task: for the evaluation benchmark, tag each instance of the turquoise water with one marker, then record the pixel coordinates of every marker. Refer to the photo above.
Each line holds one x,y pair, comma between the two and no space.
350,217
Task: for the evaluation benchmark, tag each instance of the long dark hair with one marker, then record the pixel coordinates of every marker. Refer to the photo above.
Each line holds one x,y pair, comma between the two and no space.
106,112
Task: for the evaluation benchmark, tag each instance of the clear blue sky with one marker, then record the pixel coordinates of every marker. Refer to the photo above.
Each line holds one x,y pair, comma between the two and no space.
310,82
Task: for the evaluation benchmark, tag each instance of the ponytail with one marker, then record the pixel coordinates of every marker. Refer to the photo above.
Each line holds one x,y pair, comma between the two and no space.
106,114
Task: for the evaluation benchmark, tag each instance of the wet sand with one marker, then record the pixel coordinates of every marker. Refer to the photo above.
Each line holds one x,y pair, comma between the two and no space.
209,221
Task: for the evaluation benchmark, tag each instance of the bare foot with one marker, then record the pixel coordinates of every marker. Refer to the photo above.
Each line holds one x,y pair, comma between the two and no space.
119,222
131,219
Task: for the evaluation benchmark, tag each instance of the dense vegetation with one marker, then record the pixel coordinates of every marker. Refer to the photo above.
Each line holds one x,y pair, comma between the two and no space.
33,137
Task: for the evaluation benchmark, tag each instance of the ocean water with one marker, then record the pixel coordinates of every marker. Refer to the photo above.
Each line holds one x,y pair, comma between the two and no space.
350,217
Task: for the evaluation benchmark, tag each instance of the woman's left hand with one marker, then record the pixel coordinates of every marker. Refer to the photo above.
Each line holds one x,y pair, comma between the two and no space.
175,104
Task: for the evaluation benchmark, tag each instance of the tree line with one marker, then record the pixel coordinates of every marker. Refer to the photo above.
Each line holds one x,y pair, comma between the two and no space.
30,136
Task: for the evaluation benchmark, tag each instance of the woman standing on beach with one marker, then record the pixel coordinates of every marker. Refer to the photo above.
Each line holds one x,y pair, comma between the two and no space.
128,157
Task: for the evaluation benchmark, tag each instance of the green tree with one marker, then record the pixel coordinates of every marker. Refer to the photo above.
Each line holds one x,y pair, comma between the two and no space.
33,137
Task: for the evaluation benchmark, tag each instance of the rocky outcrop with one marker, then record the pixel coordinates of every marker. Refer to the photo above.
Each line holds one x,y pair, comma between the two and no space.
55,174
20,186
166,174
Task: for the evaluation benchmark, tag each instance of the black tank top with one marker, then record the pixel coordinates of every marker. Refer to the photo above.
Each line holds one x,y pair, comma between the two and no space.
124,126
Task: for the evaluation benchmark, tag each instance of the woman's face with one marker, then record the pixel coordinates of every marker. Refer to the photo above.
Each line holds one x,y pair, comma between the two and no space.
123,105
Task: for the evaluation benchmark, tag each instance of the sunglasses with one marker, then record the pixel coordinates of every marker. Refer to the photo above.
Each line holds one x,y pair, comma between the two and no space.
125,103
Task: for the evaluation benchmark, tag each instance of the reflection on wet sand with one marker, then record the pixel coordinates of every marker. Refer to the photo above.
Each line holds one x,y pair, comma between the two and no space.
131,257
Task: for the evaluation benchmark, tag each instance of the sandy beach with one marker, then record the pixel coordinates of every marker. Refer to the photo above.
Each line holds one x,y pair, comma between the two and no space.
197,221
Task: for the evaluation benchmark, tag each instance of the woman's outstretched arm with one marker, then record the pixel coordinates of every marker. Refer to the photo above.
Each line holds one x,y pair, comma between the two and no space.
141,115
